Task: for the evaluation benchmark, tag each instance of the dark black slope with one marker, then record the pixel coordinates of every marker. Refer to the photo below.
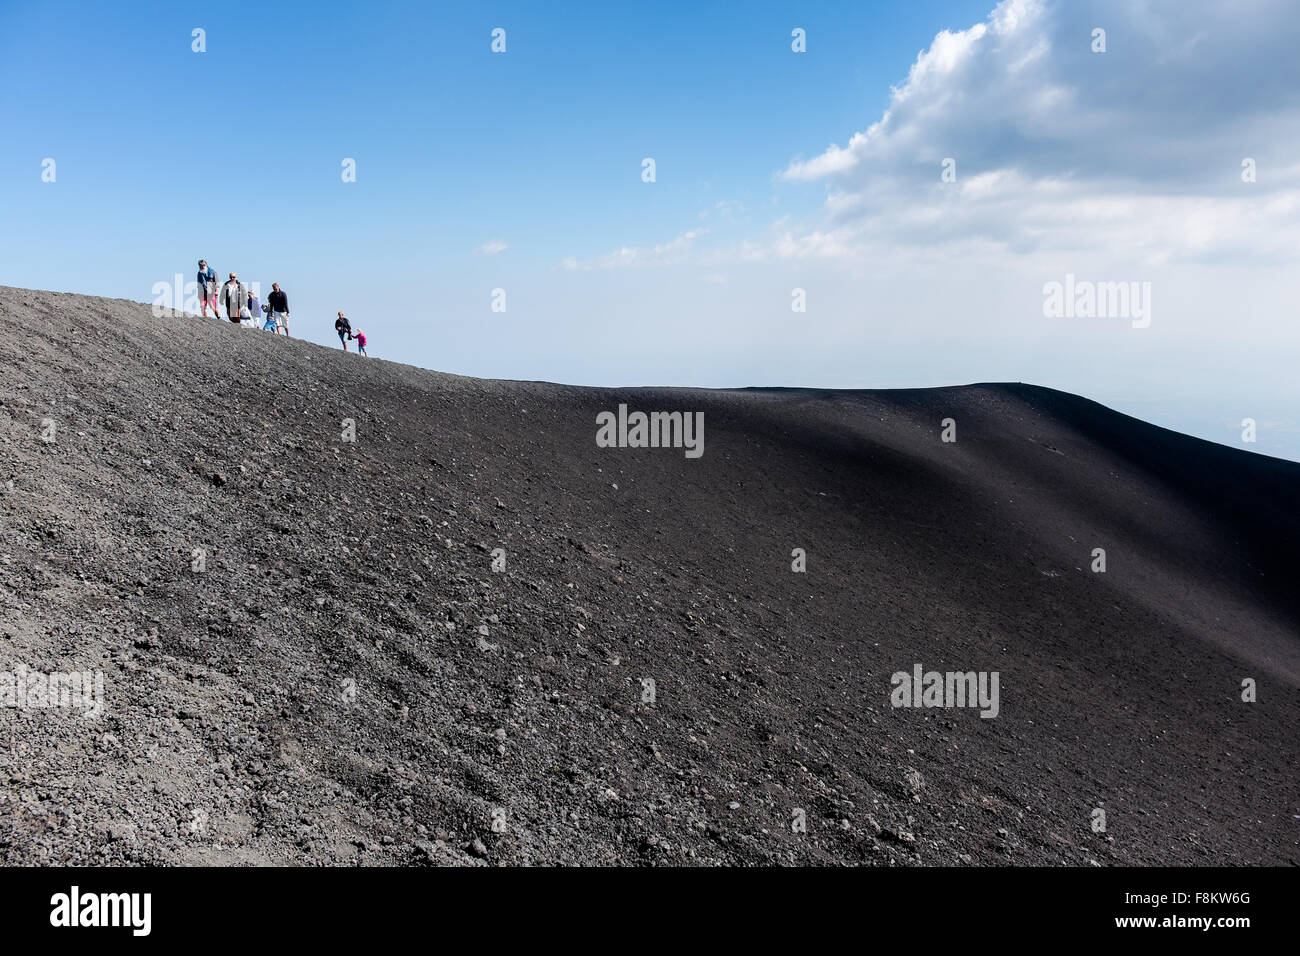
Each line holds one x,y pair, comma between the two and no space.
349,679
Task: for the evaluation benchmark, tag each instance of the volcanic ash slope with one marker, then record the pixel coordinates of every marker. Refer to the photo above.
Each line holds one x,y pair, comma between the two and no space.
308,657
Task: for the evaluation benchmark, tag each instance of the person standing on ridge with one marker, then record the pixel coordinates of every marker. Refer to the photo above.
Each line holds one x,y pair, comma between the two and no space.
207,282
361,342
279,303
344,328
233,297
254,308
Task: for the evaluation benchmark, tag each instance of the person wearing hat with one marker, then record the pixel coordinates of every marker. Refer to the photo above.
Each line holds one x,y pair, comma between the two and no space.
254,308
234,297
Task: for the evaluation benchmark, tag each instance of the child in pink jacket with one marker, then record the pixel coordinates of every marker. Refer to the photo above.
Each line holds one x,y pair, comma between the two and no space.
361,342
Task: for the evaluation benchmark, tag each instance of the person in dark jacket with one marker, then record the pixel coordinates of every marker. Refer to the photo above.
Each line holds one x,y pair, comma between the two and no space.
344,328
279,303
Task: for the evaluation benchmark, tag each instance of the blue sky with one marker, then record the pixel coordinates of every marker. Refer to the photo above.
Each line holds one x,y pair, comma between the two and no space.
775,170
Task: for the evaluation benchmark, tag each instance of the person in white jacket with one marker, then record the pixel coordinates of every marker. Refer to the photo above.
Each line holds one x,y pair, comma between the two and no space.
234,298
254,309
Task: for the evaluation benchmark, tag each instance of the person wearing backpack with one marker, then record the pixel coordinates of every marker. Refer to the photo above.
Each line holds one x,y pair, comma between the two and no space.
344,328
233,297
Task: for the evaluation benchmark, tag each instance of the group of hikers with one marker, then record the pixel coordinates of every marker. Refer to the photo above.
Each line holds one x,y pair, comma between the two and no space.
240,303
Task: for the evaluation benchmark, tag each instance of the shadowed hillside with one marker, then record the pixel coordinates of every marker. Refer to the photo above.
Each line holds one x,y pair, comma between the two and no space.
348,680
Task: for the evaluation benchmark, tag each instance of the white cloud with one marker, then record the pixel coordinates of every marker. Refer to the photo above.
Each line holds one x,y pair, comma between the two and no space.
668,253
725,209
834,160
492,247
1136,150
1131,156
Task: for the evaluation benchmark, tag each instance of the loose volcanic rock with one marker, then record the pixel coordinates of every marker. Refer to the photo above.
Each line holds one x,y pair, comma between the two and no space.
350,611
